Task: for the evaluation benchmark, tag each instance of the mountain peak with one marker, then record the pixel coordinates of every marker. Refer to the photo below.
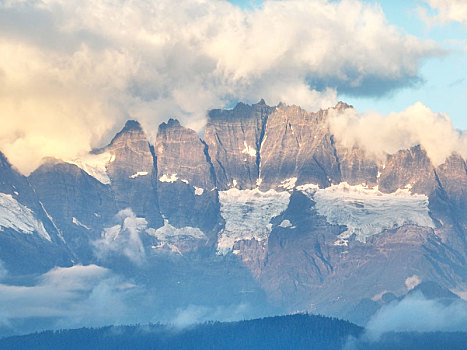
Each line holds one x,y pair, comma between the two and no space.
170,124
130,126
432,290
342,105
281,105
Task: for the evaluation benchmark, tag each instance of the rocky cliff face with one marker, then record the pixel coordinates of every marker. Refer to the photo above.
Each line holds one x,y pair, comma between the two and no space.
297,149
132,173
452,176
186,184
234,140
270,197
29,239
79,204
410,169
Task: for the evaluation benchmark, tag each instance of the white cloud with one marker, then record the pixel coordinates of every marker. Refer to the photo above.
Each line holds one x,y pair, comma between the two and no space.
93,296
71,71
412,281
123,238
193,314
418,314
379,135
446,11
69,297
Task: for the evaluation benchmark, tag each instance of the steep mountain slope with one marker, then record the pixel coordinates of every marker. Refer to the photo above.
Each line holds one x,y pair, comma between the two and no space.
234,139
272,196
132,173
79,204
29,239
186,185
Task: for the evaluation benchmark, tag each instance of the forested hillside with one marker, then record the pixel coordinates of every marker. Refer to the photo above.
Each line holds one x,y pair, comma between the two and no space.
282,332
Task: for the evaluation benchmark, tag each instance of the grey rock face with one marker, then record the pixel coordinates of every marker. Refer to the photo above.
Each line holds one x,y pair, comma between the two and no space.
297,144
408,169
133,174
234,139
186,183
452,176
29,240
84,206
79,204
355,167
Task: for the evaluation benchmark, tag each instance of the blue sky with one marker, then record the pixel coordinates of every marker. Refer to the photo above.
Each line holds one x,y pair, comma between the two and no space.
444,80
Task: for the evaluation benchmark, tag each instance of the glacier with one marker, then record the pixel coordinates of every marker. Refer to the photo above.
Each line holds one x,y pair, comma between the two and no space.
367,211
247,215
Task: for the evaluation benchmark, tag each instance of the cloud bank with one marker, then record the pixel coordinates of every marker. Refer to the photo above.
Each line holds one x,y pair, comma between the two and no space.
380,135
72,71
68,297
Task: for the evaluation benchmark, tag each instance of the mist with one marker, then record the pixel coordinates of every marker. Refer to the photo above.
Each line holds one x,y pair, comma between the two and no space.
93,296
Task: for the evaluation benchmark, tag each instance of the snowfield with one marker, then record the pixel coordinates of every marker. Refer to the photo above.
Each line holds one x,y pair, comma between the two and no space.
95,165
19,217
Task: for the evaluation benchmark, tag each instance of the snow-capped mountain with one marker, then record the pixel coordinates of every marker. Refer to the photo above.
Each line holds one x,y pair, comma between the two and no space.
267,206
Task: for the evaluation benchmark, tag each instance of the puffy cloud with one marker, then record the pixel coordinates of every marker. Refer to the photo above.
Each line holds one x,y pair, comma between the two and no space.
123,238
412,281
446,11
380,135
71,71
418,314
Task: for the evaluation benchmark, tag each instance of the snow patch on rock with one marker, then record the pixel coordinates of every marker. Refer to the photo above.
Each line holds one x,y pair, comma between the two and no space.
247,215
309,188
139,173
248,150
19,217
171,234
288,184
78,223
285,224
367,211
198,191
168,178
259,181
